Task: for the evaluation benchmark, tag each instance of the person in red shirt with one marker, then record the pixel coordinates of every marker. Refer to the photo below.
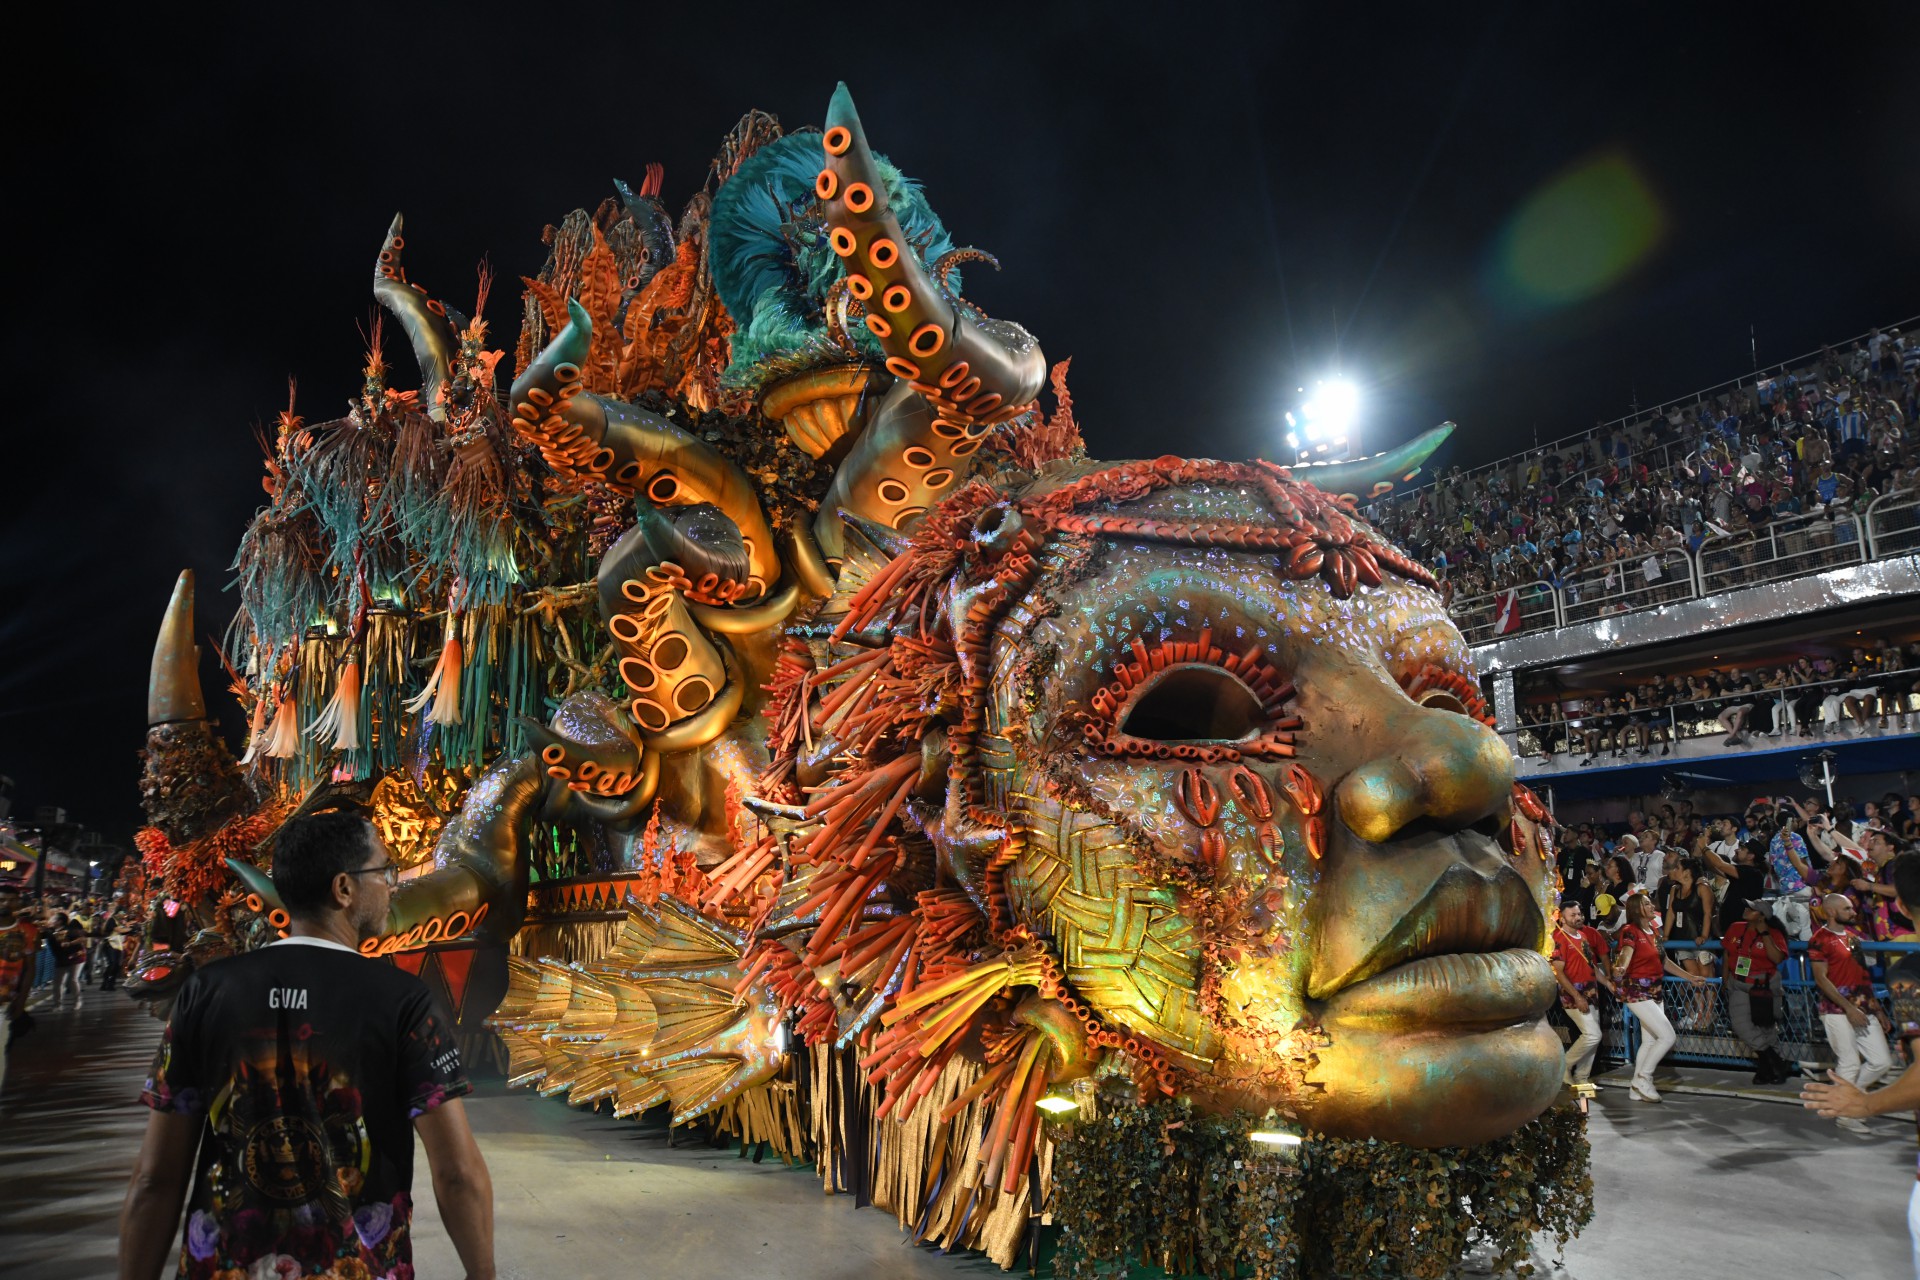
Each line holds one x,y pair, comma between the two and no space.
1755,946
1578,965
1849,1010
19,943
1840,1100
1638,970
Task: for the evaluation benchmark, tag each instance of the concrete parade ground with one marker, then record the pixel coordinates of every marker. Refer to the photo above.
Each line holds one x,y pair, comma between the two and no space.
1702,1187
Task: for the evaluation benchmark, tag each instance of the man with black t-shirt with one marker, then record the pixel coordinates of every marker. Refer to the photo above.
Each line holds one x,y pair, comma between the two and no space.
1743,863
301,1072
1841,1100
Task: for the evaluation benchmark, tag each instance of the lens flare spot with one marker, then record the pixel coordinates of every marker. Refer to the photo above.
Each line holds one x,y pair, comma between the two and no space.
1580,234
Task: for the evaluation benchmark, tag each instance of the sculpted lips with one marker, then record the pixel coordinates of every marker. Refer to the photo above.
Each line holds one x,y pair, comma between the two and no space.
1465,953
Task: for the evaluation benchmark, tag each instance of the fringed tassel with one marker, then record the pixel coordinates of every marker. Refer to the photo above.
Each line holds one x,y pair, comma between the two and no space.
479,522
341,717
283,738
347,699
257,729
443,686
928,1167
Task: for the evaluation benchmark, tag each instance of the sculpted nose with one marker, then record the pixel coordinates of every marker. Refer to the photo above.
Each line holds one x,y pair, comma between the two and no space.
1443,767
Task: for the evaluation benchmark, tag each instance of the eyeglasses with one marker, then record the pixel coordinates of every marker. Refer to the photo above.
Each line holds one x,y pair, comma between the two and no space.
390,871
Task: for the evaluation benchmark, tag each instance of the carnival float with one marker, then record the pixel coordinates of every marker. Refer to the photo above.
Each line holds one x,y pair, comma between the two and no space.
784,725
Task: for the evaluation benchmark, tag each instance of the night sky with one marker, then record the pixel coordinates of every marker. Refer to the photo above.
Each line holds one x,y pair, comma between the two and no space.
1520,218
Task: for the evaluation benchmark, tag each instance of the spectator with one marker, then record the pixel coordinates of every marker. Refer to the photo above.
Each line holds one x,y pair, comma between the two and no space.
1639,967
1616,875
1841,1100
1644,855
1741,865
1689,918
1850,1012
68,942
113,952
1578,966
1793,879
1755,947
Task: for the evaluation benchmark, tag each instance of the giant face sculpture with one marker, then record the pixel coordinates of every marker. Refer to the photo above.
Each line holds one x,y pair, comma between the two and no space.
1266,828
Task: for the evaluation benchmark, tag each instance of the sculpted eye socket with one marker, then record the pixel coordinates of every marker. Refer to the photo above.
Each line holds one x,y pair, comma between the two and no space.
1432,685
1442,700
1192,700
1194,704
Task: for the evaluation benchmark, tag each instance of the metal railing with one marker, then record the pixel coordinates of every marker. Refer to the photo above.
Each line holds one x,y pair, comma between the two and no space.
1699,1014
1893,524
1626,586
1785,709
1781,550
1785,368
1536,607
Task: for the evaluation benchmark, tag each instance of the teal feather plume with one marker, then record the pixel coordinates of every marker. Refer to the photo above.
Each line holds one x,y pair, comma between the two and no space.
770,258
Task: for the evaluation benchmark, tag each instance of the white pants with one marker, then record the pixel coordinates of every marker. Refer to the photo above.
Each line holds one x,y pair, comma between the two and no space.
1656,1039
1785,718
1580,1053
1831,710
67,978
1860,1054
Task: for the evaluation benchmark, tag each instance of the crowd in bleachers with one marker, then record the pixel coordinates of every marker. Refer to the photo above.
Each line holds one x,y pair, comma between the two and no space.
1723,906
1626,504
1792,845
1875,687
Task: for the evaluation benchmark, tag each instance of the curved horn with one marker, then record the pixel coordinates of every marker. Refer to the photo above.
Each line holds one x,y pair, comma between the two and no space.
480,856
1368,478
958,375
583,434
256,881
173,687
434,341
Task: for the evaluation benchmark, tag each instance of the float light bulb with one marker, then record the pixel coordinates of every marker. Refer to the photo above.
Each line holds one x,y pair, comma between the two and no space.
1275,1137
1054,1104
1271,1134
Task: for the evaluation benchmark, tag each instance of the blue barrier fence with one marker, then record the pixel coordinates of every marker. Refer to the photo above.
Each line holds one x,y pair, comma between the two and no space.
1699,1014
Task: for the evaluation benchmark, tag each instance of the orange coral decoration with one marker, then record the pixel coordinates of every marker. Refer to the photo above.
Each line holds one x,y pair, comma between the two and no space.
196,871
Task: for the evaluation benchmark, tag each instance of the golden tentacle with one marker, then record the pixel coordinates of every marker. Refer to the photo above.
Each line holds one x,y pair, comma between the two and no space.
699,730
746,619
957,375
802,554
672,668
582,434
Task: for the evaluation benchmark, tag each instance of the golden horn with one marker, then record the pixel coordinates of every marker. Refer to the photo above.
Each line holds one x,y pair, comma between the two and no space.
173,688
